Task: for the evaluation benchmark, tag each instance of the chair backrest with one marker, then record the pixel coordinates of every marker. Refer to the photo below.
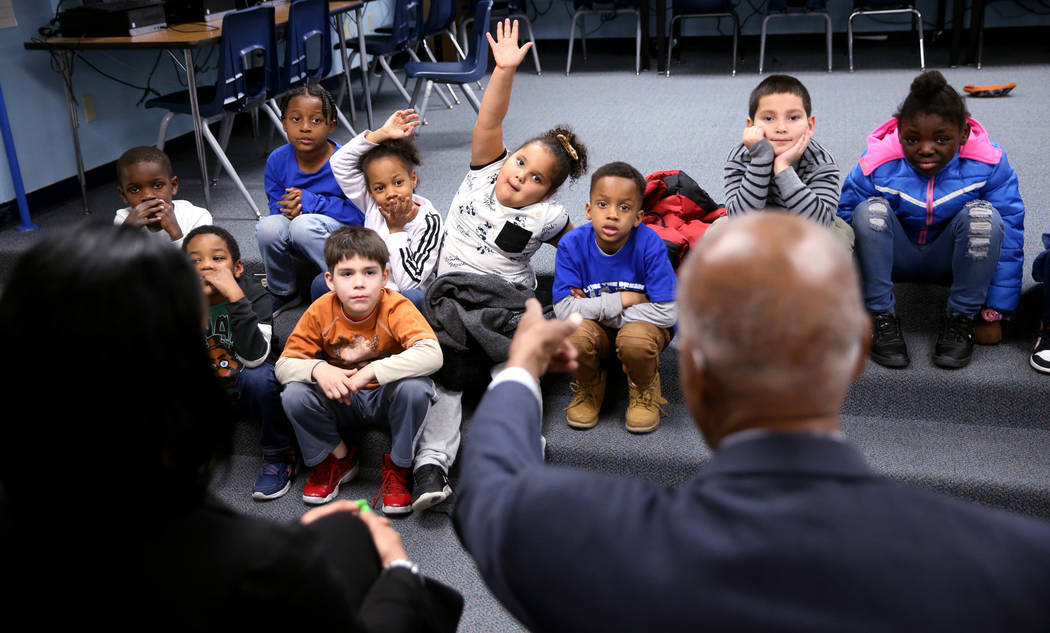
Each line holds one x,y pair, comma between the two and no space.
479,51
308,31
442,15
408,21
248,67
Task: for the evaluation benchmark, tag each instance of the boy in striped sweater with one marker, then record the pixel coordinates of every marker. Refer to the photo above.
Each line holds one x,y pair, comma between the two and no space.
778,164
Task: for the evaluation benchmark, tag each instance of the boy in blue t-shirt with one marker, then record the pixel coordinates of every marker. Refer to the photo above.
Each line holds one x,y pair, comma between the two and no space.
615,273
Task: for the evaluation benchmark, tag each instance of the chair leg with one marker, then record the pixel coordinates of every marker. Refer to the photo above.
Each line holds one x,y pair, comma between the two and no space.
827,19
464,45
849,38
670,45
638,44
922,50
389,72
430,55
426,98
762,45
736,35
455,43
273,113
415,58
415,99
471,97
572,39
224,141
162,133
229,168
342,119
532,38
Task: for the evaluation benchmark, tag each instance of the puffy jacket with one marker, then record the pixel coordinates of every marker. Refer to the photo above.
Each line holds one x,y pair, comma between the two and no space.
924,205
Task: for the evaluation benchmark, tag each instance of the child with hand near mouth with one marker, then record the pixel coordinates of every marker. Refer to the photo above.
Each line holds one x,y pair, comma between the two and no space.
778,164
243,350
377,172
614,272
147,186
306,203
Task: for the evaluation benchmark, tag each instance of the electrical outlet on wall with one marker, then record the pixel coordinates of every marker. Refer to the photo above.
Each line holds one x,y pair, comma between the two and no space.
88,102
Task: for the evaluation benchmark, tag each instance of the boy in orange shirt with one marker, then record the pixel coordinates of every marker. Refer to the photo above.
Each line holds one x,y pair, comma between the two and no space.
359,354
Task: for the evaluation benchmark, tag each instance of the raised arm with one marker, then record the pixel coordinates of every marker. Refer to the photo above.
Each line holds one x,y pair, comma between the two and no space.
487,142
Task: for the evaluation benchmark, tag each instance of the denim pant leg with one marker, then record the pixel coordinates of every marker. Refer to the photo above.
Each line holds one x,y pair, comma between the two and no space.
976,239
272,234
308,233
415,295
403,407
881,246
316,419
259,396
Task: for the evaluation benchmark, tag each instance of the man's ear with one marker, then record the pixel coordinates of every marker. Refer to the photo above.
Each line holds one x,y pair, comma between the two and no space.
328,279
174,185
123,196
748,122
238,269
965,132
812,122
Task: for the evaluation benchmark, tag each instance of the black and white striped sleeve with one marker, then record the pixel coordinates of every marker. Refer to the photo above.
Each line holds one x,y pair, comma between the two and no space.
811,188
747,177
414,252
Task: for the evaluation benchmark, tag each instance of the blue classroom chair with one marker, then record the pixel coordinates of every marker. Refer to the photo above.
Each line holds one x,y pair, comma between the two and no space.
461,73
246,76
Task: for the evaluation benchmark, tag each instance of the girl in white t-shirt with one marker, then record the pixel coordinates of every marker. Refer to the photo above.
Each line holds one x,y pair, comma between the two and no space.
502,212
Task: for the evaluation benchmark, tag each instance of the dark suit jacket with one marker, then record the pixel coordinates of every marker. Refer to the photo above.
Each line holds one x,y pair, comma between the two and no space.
786,532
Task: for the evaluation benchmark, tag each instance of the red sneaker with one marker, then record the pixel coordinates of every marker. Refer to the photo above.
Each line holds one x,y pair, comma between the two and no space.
394,490
323,484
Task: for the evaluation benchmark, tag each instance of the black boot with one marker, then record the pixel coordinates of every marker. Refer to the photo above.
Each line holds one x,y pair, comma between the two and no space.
887,343
954,346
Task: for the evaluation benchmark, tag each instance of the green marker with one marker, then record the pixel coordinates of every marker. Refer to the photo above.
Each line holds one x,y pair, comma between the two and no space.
363,505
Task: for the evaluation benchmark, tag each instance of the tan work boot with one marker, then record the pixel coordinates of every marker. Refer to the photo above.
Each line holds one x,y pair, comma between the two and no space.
643,409
582,412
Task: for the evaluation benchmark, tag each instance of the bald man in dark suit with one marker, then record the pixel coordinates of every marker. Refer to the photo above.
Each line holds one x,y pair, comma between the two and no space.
786,529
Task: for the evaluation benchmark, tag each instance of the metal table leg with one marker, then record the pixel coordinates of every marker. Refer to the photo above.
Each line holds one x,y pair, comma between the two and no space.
341,30
67,82
359,12
195,109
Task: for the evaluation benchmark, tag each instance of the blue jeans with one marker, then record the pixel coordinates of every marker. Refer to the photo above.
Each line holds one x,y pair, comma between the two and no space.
400,406
259,397
279,238
965,254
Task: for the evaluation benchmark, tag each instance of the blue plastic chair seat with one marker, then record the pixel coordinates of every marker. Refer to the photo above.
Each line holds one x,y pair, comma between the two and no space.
446,72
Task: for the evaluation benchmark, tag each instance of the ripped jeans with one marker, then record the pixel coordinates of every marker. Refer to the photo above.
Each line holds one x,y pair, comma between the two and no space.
965,254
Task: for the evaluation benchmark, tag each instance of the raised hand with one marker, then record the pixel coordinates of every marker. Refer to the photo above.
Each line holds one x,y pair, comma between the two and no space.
505,50
400,124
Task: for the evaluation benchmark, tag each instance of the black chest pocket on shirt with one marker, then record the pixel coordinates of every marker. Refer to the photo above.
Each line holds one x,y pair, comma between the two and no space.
513,238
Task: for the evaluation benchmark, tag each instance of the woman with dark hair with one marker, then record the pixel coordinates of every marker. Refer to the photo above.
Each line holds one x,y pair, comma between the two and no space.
114,423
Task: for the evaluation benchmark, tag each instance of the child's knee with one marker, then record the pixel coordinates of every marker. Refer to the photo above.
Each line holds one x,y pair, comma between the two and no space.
984,229
414,391
258,382
872,215
638,342
587,339
271,228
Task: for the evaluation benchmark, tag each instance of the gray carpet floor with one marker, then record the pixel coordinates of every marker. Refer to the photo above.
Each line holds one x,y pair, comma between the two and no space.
981,432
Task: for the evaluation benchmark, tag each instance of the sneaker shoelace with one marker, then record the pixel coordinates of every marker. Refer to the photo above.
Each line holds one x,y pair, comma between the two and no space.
393,482
888,327
272,468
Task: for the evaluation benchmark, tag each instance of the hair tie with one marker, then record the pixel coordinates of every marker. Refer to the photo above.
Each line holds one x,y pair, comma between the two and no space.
569,149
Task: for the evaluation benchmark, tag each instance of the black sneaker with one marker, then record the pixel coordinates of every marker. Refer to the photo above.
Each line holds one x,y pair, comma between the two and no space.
430,487
954,346
1040,360
887,343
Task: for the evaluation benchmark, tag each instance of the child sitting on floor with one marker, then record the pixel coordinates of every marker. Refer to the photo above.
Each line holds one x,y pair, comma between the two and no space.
499,217
306,203
359,355
933,199
243,350
615,273
778,164
147,186
377,171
